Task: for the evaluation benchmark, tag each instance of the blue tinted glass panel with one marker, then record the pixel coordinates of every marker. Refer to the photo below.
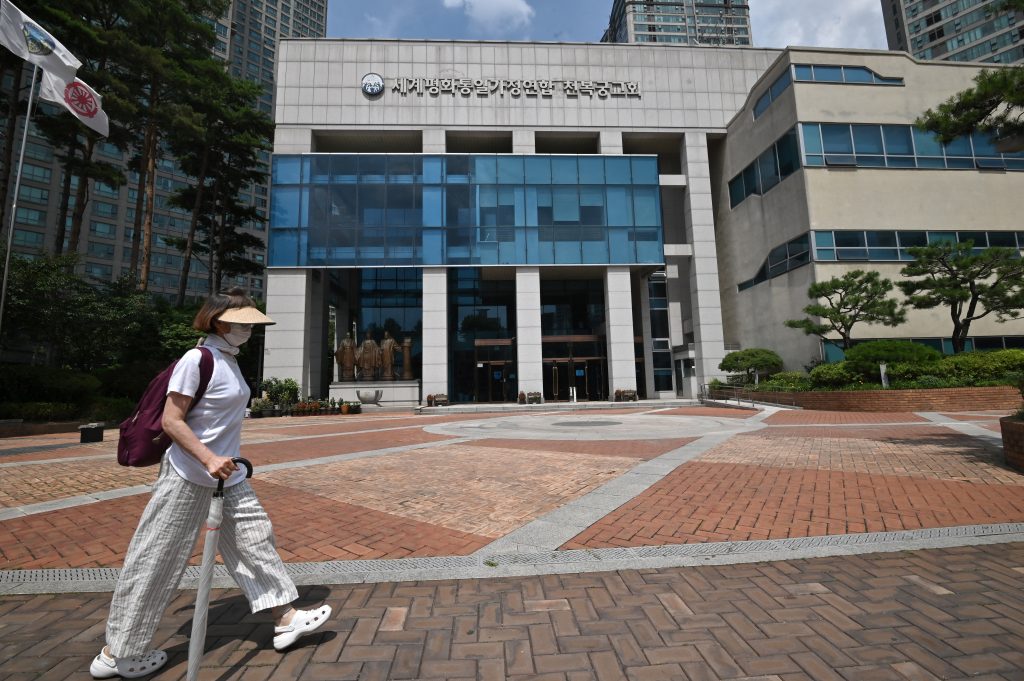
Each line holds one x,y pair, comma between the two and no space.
285,207
857,74
564,170
812,138
286,169
804,72
591,170
788,153
646,208
645,170
867,139
319,169
836,138
898,140
433,169
485,170
780,85
961,146
828,74
762,104
941,237
345,169
912,239
538,169
736,193
373,168
926,143
848,239
510,170
824,239
983,144
617,170
620,206
1002,239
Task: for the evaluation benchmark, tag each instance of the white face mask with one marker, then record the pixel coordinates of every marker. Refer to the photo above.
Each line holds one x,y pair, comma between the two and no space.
238,334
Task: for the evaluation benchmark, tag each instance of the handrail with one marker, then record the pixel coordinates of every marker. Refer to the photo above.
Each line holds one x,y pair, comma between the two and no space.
740,394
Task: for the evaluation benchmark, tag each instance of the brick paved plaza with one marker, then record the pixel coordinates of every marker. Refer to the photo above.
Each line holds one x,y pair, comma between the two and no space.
702,514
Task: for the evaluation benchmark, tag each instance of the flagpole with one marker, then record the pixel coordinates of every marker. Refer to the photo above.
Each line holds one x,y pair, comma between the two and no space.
14,203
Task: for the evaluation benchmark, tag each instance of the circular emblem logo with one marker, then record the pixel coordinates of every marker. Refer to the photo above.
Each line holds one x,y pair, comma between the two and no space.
37,40
373,85
80,100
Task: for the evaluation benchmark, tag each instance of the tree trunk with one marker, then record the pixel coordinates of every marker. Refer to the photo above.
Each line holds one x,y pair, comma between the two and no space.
147,219
9,132
81,198
190,241
140,195
62,213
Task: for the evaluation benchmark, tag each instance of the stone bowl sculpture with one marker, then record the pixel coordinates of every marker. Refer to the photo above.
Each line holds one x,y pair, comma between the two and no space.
369,396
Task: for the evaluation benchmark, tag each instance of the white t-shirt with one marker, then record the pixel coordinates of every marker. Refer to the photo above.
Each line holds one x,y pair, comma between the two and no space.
216,418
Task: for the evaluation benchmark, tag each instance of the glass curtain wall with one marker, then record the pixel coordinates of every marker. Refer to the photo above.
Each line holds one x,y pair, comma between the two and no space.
369,210
391,300
574,340
481,323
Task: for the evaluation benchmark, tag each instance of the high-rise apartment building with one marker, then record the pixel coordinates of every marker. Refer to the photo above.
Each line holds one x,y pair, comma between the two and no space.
247,38
685,22
955,30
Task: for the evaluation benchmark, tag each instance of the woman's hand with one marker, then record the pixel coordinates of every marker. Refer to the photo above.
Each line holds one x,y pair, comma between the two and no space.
221,467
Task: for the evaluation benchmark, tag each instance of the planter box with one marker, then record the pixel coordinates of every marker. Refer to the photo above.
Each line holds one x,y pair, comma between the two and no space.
938,399
1013,441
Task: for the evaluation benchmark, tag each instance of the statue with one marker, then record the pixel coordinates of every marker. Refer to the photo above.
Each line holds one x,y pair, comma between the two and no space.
368,359
387,357
346,357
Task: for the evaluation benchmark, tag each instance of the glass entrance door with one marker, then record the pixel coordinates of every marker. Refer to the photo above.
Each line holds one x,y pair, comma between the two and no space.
493,382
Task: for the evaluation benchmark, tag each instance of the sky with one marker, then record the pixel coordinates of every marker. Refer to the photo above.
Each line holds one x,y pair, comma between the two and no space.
776,23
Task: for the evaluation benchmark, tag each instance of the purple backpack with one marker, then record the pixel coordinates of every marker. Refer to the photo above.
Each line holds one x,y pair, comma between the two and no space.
143,440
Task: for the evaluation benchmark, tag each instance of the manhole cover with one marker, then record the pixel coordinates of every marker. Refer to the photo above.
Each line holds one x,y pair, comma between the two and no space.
586,424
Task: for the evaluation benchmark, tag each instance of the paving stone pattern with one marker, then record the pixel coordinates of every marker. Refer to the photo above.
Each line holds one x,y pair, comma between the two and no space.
951,614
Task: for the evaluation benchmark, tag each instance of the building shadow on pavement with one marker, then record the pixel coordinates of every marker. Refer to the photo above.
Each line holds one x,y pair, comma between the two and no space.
230,620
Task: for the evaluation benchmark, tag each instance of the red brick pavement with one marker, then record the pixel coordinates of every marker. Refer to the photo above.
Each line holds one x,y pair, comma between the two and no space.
638,449
317,529
950,614
806,417
717,412
707,502
902,432
295,450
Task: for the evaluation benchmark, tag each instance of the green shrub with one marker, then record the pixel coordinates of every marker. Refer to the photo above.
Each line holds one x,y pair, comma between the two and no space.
931,382
110,409
39,411
835,375
26,383
750,362
863,359
975,367
280,390
130,380
787,381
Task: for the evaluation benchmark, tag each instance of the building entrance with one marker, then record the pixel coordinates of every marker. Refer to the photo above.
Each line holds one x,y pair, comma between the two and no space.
495,376
573,367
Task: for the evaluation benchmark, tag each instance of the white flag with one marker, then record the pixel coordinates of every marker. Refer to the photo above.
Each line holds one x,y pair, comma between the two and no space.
81,100
28,40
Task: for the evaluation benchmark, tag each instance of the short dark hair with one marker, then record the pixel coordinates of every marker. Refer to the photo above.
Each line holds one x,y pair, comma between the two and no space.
216,305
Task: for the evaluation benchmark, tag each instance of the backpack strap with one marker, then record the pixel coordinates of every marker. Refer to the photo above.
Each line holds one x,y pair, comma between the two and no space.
205,373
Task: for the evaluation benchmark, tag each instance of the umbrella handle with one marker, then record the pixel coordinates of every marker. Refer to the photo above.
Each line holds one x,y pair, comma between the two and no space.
248,472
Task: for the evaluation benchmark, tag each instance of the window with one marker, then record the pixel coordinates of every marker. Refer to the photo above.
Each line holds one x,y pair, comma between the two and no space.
33,194
774,165
780,260
28,216
23,237
103,229
894,245
899,146
104,209
35,173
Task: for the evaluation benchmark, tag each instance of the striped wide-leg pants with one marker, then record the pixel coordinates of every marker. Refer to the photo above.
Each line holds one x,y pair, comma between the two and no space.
163,543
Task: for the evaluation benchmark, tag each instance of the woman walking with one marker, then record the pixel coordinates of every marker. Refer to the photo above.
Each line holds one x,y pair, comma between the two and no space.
205,438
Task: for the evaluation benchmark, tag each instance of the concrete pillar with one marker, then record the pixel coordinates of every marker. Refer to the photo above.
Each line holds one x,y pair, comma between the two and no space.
529,358
618,299
705,296
610,142
435,331
286,354
523,142
434,142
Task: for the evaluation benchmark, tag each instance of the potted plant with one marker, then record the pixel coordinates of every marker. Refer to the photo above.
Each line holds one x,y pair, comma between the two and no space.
441,400
522,397
430,400
533,398
1012,429
345,407
355,407
258,407
618,395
